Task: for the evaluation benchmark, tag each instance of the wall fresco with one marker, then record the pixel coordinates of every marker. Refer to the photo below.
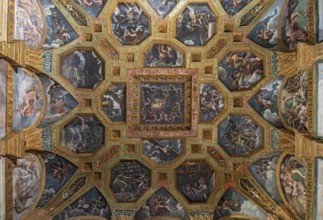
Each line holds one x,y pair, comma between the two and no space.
29,23
293,182
196,25
240,70
26,178
318,195
319,103
27,101
163,150
264,171
265,102
239,135
3,97
93,7
58,172
59,102
294,101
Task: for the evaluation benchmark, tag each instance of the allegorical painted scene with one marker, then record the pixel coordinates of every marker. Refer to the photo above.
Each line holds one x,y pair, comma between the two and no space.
130,24
84,134
27,102
162,203
3,97
232,7
129,180
58,172
162,103
318,195
163,150
232,202
319,21
240,70
211,102
26,178
59,102
265,33
84,68
265,102
239,135
93,7
113,102
294,101
318,130
196,180
196,24
293,182
264,171
163,55
91,203
58,30
29,22
163,7
294,27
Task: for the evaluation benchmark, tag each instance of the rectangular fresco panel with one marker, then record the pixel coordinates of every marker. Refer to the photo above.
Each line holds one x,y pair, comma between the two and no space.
318,213
319,100
319,20
3,95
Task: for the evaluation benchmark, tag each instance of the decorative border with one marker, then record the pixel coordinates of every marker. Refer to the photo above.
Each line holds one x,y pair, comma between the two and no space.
136,74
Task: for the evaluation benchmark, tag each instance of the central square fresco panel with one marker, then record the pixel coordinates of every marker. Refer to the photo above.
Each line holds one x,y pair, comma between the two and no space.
160,102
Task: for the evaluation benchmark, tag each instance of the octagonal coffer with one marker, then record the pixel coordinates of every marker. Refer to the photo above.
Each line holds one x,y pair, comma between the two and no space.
129,180
130,24
196,180
239,135
196,24
232,7
113,102
241,70
83,68
163,55
84,134
163,151
211,102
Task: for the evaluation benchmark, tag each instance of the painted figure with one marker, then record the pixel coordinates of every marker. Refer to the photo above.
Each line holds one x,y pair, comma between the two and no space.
162,102
94,7
239,135
113,102
162,203
83,68
163,150
265,102
130,25
163,7
129,181
294,101
195,179
241,70
196,25
84,134
26,184
163,55
211,102
233,6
